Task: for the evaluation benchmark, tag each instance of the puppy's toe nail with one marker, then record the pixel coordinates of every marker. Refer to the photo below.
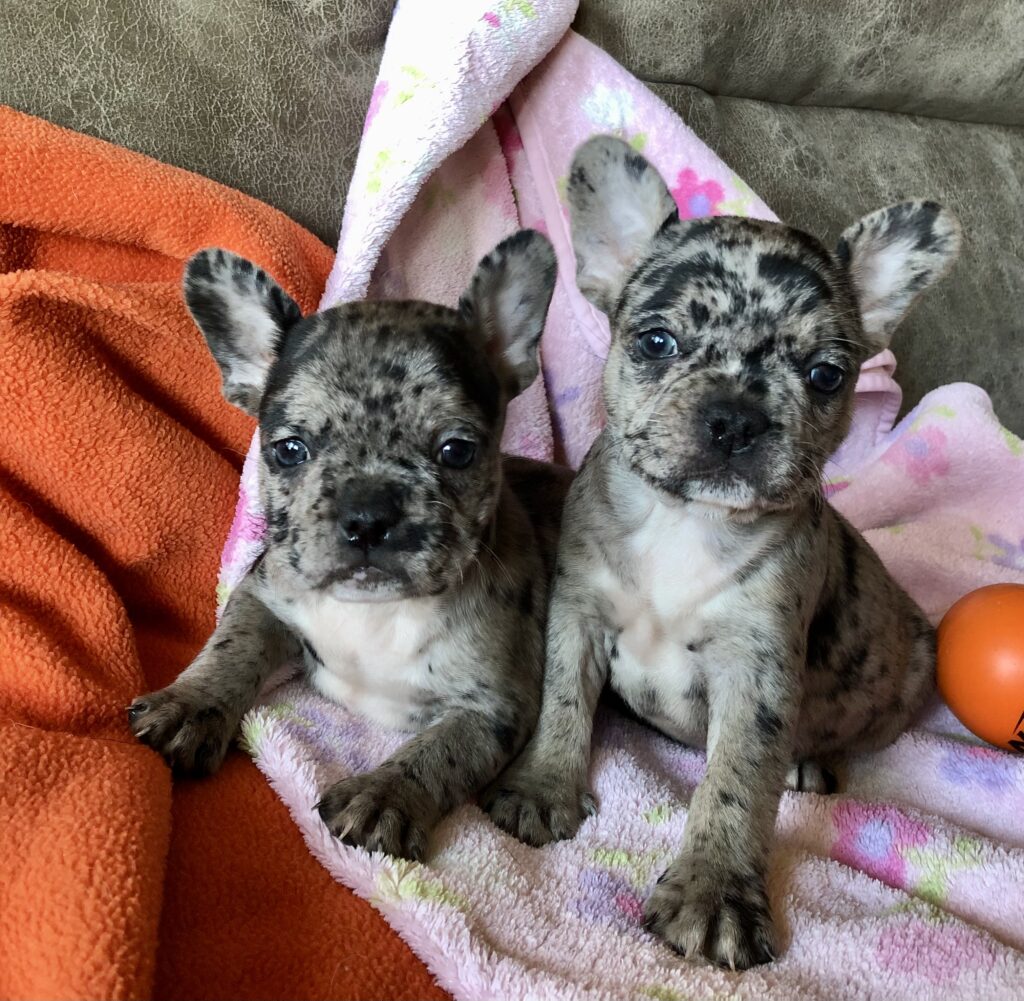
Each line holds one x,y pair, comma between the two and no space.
589,803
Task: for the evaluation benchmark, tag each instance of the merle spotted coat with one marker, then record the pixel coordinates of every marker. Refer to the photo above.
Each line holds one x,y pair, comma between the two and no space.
700,572
407,562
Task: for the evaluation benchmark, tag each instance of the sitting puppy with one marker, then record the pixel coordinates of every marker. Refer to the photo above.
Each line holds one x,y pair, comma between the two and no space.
407,562
699,570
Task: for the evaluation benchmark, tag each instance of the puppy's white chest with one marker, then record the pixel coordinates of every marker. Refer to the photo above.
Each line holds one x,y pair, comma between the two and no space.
657,604
670,569
372,657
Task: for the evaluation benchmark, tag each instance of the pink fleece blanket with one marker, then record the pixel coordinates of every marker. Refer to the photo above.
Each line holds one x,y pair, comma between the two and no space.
910,884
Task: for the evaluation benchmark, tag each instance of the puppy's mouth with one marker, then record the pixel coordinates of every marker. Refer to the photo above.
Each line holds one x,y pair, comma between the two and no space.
362,582
720,489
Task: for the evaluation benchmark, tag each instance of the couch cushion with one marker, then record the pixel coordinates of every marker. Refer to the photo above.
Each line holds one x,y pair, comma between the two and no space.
822,167
929,57
262,95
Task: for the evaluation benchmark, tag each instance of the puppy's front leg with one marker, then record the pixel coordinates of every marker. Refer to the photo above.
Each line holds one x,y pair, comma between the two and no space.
712,899
393,808
192,721
544,796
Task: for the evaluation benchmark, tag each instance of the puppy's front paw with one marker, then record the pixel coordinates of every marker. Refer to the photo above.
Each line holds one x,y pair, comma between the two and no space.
538,809
191,730
380,811
720,915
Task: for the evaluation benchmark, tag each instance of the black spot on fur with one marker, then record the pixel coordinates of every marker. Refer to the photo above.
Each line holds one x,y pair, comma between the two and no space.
578,179
668,282
821,634
505,734
768,721
636,165
803,284
699,314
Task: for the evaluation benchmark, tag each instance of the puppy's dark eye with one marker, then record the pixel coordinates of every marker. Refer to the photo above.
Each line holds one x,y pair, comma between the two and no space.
657,344
290,452
825,378
456,453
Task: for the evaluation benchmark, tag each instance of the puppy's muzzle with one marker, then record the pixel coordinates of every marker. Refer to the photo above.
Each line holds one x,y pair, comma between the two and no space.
369,512
731,427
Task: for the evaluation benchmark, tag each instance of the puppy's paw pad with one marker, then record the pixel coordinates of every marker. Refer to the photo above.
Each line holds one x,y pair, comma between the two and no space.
540,811
722,918
379,811
190,730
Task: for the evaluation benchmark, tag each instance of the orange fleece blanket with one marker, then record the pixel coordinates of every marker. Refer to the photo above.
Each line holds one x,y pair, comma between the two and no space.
119,468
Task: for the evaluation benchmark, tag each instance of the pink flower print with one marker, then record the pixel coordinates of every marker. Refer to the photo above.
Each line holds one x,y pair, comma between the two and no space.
696,197
920,454
607,898
380,91
492,19
938,951
874,839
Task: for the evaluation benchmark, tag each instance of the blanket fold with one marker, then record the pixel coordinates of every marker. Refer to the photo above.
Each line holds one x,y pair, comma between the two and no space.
119,465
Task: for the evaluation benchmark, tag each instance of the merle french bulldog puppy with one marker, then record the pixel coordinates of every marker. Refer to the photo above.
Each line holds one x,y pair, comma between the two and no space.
700,571
407,561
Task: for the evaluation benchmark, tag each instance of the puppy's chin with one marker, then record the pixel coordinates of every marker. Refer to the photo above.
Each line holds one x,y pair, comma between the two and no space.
372,584
724,494
724,490
364,584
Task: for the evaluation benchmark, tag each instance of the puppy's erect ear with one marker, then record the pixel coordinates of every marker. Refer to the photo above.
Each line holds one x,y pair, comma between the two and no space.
244,316
617,203
892,256
507,301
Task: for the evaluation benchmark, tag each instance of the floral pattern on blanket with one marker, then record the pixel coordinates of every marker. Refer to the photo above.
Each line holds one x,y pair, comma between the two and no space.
905,900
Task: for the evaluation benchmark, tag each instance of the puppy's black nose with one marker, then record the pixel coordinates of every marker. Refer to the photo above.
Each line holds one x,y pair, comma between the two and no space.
368,513
731,427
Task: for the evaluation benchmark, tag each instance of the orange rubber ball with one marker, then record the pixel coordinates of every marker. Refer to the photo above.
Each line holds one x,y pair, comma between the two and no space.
980,665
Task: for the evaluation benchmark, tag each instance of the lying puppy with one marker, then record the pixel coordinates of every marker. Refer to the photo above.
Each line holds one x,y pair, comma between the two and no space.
699,570
406,559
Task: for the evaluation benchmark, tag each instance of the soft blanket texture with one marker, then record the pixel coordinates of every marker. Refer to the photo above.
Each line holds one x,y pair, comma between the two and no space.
908,885
119,465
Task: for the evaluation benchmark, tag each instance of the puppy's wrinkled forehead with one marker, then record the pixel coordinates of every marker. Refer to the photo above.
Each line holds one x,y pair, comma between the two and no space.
760,282
382,366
